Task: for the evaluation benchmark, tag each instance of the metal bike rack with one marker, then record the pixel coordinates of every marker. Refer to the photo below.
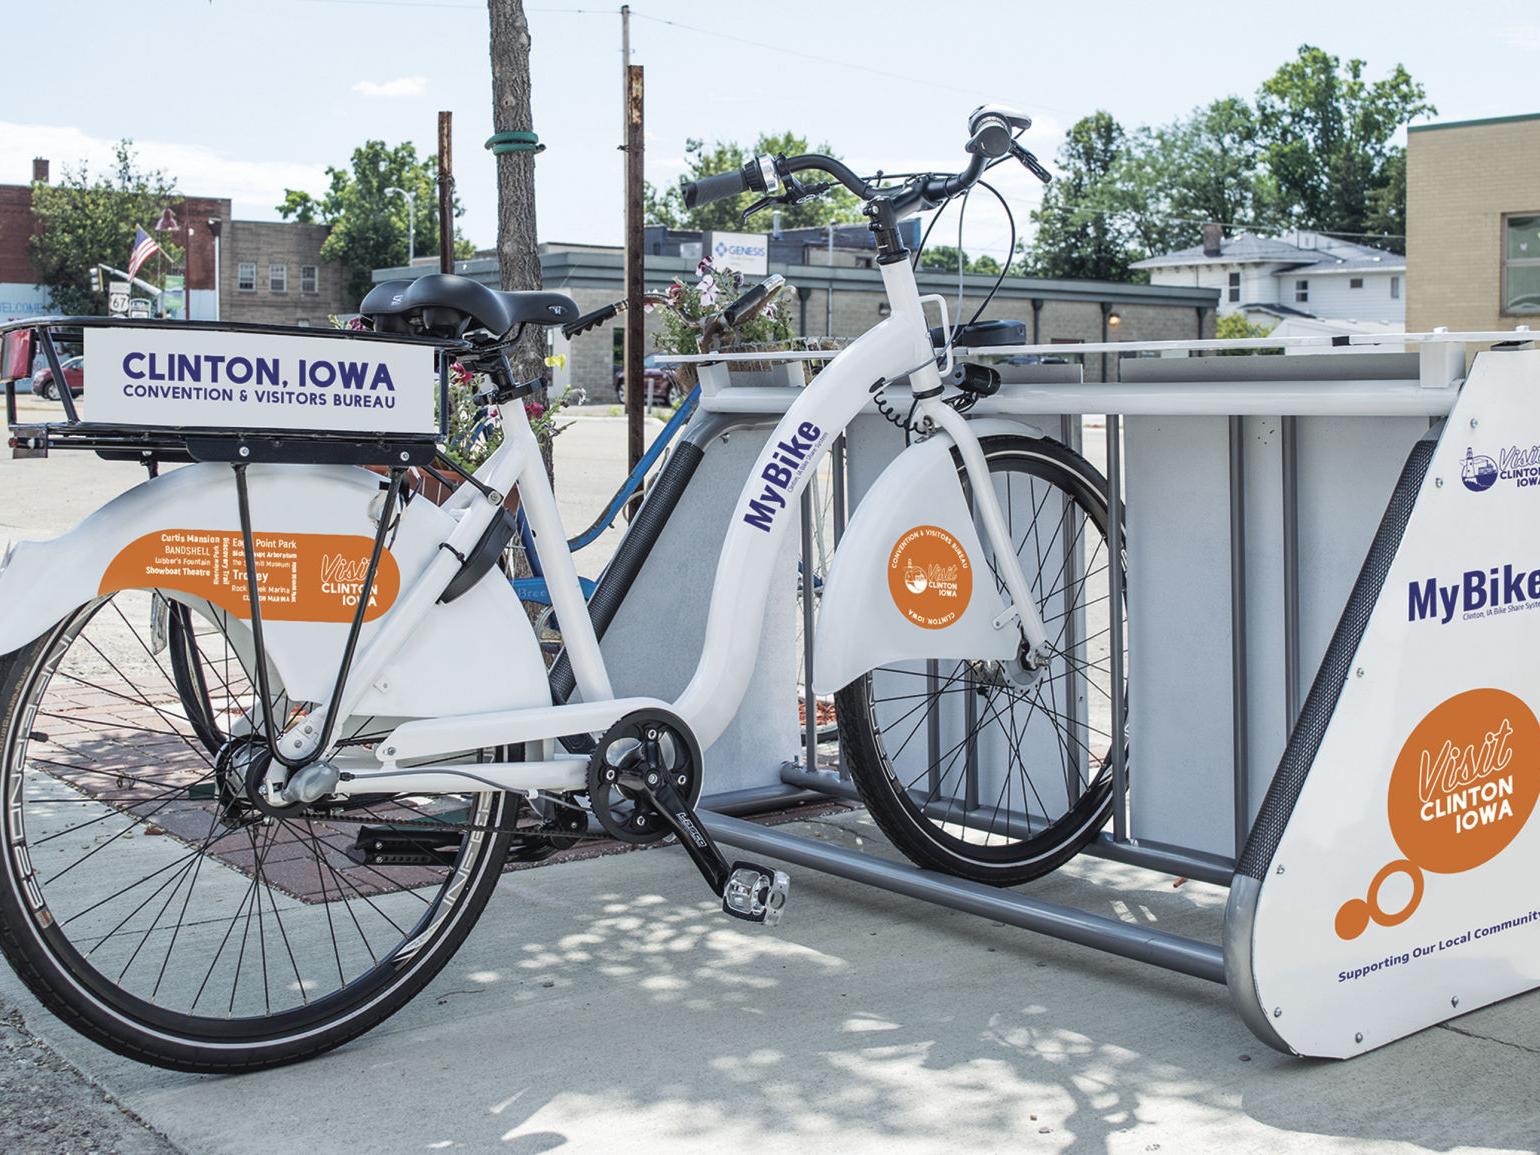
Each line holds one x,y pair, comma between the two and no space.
1268,413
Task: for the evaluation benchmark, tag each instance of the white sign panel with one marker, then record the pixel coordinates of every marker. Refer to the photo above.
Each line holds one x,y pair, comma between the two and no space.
208,380
748,253
117,298
1403,889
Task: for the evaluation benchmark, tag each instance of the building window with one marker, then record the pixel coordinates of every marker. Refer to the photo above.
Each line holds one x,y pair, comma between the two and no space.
1235,287
1395,288
309,279
1521,264
1301,292
277,278
246,276
1355,282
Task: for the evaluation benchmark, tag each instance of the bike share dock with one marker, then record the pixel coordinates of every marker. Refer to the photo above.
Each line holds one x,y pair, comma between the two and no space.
1275,512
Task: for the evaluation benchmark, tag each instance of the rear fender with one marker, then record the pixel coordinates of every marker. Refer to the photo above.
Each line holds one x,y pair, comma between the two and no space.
181,532
909,580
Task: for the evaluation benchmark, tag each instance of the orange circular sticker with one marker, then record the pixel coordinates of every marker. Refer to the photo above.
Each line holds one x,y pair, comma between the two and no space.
1465,781
929,577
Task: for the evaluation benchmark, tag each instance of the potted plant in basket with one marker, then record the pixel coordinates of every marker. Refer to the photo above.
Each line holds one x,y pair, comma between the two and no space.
689,305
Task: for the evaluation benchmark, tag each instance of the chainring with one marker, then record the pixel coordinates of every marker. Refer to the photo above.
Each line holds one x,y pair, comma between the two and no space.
643,742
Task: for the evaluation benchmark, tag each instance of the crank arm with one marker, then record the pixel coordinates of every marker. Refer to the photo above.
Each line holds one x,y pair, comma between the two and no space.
748,891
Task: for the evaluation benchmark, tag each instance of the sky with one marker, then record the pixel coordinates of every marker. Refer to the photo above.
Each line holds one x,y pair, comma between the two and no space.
245,98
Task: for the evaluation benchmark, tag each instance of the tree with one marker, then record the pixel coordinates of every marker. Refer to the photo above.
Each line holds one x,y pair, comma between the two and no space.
666,206
1327,133
1083,223
1209,167
517,256
369,225
1235,327
84,220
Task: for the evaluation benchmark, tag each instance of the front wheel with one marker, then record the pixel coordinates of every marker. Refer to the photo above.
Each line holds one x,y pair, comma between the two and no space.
148,899
985,771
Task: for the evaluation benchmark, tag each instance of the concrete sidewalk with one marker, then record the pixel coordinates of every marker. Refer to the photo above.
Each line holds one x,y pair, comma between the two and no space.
603,1004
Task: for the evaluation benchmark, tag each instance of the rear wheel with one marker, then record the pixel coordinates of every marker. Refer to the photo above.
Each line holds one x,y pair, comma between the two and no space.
977,769
150,902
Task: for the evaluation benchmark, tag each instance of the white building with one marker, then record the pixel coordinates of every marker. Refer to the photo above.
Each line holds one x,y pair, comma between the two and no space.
1307,275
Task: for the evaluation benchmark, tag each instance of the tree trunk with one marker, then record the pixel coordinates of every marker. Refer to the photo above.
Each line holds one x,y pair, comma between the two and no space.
517,257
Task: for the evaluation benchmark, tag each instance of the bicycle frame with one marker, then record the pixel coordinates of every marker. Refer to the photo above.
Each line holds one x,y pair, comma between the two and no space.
896,348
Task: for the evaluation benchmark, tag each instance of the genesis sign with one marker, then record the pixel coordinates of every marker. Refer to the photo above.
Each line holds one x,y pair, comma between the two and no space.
748,253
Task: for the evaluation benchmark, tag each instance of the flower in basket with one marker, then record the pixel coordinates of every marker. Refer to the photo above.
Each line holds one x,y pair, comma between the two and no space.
691,302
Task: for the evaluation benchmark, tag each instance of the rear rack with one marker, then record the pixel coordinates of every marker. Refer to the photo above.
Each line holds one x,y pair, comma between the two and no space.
151,444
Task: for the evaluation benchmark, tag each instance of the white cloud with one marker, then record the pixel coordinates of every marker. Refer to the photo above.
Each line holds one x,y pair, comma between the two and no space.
1524,36
254,186
401,86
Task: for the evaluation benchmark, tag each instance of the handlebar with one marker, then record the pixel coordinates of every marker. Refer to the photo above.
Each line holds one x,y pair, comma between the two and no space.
992,137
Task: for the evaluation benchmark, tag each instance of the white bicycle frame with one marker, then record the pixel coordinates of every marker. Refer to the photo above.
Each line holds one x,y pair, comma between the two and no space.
897,347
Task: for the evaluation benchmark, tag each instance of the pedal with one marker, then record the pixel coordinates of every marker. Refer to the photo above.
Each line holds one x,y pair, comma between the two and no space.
756,893
396,846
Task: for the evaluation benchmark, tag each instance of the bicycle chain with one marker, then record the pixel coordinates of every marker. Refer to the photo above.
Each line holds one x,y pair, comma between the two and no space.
430,824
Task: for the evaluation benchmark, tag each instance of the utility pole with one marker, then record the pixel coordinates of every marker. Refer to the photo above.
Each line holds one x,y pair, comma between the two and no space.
446,193
636,381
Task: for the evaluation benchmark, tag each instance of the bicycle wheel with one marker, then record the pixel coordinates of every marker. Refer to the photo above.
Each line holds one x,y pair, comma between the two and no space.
969,768
154,906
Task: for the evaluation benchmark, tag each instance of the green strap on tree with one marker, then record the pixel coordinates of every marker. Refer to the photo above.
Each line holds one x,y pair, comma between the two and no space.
506,142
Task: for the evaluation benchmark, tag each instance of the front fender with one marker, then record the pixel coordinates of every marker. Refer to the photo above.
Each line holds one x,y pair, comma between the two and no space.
892,593
181,532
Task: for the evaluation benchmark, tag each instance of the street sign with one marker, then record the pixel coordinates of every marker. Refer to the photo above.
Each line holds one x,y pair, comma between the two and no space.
173,294
748,253
139,308
117,298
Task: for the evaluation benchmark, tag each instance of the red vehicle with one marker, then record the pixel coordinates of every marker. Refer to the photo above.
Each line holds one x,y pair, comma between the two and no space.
662,386
74,376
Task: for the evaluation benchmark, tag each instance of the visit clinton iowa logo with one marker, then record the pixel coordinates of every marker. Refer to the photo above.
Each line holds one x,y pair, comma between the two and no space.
1516,465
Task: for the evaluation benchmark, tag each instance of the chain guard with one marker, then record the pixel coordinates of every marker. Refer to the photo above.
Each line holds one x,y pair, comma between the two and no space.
643,742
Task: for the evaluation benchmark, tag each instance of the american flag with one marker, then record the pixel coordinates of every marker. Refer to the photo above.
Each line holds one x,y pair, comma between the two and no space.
144,245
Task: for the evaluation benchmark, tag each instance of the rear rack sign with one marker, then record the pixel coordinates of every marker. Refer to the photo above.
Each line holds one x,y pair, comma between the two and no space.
212,380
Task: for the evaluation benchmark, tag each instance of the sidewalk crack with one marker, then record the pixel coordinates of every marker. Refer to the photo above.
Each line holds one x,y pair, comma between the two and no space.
1469,1034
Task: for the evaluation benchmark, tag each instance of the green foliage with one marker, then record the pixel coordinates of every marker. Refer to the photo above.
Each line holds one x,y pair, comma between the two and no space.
666,206
1082,225
1328,131
86,219
1235,327
1314,151
369,225
943,258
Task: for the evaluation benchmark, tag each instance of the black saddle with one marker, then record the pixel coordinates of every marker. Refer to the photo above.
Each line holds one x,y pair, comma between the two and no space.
444,305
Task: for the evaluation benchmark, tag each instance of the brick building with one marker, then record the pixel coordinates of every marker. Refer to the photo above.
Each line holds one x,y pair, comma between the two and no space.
846,299
272,272
269,271
1473,224
20,295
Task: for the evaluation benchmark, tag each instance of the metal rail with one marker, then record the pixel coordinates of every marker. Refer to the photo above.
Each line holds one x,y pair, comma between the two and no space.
1173,952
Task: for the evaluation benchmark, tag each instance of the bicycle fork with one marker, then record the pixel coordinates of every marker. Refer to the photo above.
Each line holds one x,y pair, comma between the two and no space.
1022,607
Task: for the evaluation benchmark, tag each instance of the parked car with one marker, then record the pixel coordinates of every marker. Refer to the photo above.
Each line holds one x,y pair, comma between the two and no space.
74,375
662,385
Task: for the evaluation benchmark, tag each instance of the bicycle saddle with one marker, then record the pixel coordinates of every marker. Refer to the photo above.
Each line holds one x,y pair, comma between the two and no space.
445,305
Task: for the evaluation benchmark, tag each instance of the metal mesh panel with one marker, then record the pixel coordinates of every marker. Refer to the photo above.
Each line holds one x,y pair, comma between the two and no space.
1321,704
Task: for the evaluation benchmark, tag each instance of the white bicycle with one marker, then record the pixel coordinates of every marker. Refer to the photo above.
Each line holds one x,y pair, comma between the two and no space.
272,729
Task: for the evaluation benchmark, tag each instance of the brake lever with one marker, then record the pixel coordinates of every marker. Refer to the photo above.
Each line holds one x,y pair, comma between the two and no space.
1032,163
796,193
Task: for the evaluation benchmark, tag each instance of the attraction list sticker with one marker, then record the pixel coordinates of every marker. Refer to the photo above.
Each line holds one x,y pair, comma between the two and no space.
301,577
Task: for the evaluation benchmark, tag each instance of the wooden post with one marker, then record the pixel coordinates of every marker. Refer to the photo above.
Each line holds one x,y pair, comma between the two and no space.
446,193
636,382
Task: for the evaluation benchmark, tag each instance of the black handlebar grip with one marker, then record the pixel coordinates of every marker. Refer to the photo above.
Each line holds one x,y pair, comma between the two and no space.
718,186
588,320
746,304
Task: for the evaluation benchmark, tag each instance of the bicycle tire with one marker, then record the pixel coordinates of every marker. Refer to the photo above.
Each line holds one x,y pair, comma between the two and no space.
61,966
912,823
